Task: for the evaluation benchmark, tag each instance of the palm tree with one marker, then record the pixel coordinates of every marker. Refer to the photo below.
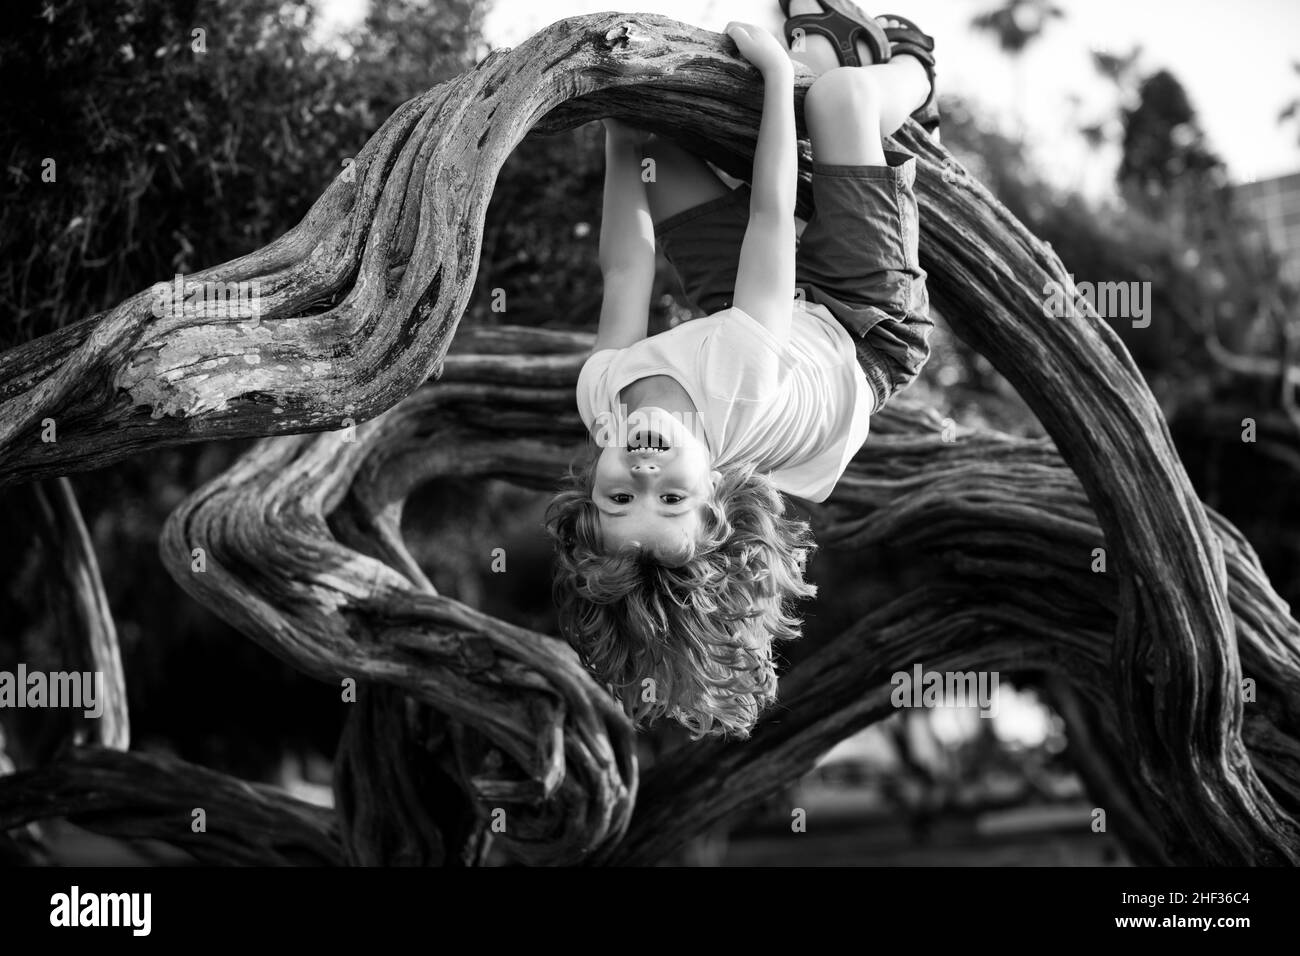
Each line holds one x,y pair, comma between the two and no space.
1291,114
1121,69
1016,24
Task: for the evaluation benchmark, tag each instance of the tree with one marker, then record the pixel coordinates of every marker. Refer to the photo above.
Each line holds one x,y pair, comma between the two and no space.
1164,147
1120,69
140,139
466,729
1291,112
1016,24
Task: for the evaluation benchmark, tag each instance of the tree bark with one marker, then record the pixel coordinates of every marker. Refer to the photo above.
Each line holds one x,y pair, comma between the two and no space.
135,796
88,634
1000,534
362,300
995,527
78,633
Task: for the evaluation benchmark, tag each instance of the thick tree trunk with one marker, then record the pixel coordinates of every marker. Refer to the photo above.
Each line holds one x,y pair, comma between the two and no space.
362,300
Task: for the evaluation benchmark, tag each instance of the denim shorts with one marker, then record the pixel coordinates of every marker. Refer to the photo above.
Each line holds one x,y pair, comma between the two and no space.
857,257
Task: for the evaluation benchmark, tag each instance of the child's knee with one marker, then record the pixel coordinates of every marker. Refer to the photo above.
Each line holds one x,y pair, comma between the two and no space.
843,91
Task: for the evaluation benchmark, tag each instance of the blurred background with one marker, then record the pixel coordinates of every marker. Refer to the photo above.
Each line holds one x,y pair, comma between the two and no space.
1146,141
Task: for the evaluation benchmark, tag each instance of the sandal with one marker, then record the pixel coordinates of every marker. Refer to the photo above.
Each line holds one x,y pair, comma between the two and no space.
844,23
906,37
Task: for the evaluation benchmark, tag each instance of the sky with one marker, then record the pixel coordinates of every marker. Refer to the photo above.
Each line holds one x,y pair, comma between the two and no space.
1234,59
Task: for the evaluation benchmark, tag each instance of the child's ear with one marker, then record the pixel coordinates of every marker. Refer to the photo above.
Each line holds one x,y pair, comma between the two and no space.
716,476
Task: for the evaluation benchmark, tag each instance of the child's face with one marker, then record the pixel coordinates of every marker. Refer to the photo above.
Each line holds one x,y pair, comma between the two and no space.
652,494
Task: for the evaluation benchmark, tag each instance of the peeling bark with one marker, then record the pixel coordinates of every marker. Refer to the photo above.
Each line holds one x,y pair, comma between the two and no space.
360,300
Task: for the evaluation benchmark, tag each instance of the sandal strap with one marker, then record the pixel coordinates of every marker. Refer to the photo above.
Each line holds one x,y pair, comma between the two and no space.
837,23
842,30
908,38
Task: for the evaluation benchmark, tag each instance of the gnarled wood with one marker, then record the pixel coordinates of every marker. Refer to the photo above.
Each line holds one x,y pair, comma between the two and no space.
77,634
135,796
980,514
359,302
975,512
86,626
362,301
556,753
999,535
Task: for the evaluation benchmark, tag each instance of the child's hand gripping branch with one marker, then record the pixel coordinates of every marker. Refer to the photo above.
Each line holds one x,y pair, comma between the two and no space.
677,566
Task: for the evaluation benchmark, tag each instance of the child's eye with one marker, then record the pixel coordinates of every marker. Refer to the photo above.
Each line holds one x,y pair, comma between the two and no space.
670,499
620,498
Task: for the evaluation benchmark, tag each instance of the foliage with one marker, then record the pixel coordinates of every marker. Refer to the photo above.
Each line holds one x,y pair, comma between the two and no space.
170,160
1164,146
167,159
1018,23
1291,112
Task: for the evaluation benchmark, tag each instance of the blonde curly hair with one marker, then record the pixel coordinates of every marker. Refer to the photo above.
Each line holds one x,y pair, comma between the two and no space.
700,625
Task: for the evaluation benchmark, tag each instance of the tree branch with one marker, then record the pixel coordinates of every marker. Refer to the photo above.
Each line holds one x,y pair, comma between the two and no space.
400,265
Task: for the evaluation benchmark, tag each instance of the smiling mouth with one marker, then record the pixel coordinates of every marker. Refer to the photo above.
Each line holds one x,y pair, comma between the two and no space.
648,442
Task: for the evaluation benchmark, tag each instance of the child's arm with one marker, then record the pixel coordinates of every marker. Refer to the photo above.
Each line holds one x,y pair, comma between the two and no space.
627,243
765,278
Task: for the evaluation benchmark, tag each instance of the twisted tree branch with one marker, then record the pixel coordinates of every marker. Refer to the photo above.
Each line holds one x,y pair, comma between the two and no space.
361,301
135,796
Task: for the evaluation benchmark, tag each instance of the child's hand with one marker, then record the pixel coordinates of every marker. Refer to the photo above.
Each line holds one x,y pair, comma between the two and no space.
761,49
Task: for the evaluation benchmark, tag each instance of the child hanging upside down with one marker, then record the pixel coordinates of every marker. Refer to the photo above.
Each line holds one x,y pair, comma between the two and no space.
677,566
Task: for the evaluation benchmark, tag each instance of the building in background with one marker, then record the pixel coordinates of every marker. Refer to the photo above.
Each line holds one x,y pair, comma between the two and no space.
1276,204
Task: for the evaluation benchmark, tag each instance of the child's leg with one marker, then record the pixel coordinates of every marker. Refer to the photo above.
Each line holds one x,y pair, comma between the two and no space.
893,91
851,109
681,180
859,255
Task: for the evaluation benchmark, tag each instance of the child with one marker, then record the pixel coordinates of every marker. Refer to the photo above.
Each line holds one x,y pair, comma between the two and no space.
677,566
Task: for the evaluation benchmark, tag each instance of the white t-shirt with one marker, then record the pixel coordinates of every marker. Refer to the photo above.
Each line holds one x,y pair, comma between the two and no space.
798,410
